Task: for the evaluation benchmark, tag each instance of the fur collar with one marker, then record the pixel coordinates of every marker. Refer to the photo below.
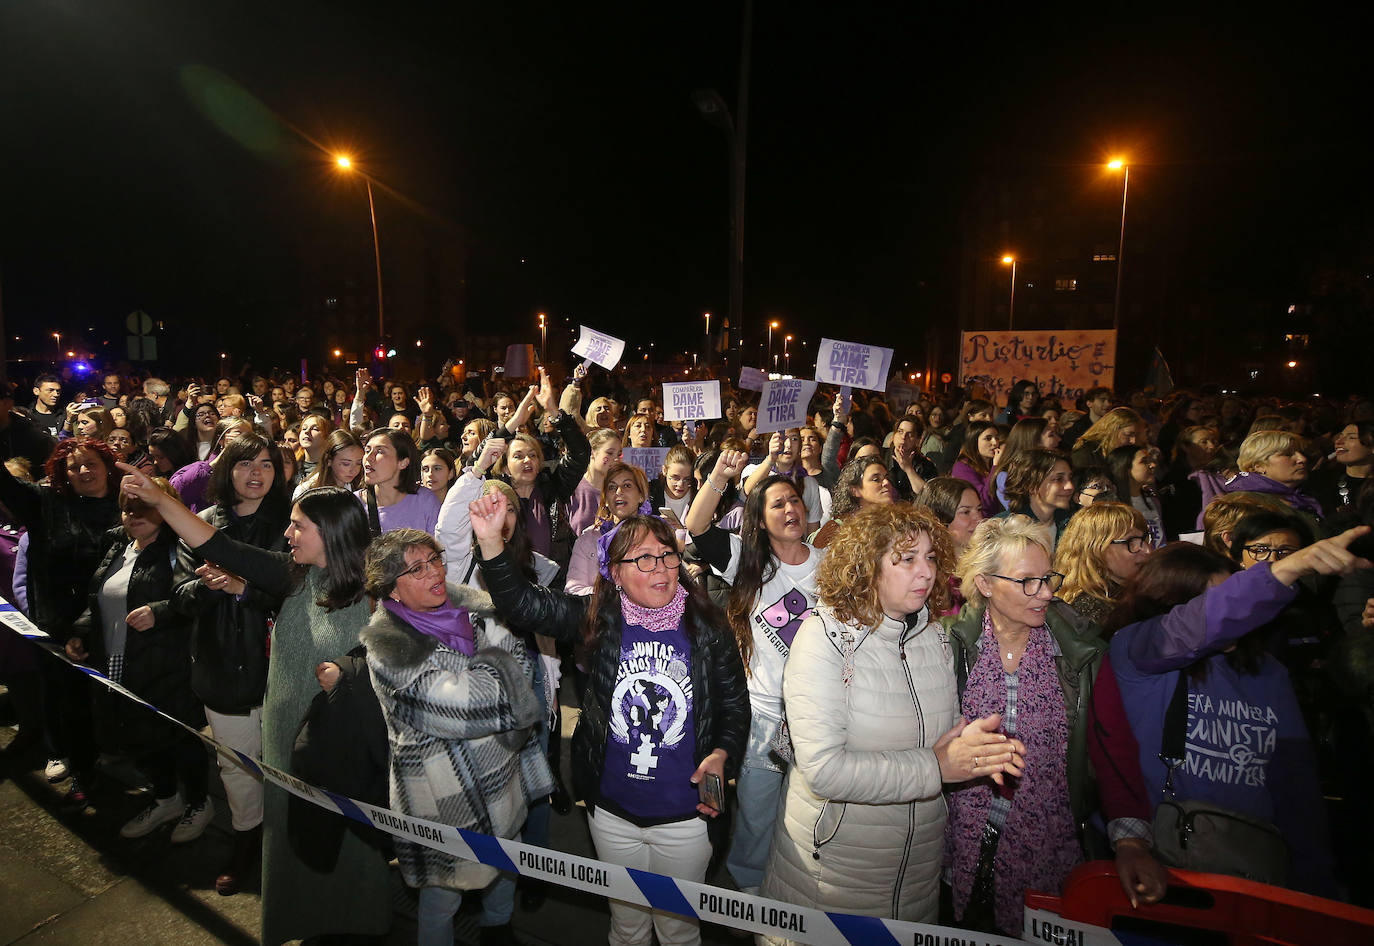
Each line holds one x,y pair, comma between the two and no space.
394,643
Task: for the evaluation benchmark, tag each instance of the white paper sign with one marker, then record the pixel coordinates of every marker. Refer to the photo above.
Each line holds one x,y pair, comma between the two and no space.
648,459
691,400
598,348
784,404
751,379
853,364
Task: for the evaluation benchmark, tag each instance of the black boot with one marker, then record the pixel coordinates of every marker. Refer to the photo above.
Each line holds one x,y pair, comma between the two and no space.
559,799
246,855
503,935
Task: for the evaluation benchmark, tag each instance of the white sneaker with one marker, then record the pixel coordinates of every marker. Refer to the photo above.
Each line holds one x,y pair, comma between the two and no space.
57,769
160,812
193,822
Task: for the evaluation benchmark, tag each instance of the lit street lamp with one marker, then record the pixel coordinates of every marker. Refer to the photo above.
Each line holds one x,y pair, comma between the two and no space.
543,340
1117,164
771,326
346,163
1011,300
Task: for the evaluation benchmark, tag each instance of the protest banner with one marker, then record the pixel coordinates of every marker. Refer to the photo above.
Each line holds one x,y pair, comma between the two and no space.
648,459
784,404
852,364
1062,364
691,400
598,348
752,379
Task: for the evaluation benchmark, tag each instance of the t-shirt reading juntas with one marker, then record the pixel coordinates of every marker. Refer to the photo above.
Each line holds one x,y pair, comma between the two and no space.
651,749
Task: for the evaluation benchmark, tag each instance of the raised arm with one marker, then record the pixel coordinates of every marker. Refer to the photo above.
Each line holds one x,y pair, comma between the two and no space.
703,508
764,468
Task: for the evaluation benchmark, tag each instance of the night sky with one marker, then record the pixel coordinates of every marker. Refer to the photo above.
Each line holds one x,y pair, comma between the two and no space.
564,135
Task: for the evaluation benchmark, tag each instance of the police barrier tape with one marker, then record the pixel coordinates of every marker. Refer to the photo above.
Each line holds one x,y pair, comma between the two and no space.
657,891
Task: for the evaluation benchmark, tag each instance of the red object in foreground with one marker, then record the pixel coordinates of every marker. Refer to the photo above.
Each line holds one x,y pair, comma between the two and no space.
1237,912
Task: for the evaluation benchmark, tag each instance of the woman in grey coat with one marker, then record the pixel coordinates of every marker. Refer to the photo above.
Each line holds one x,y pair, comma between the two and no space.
457,691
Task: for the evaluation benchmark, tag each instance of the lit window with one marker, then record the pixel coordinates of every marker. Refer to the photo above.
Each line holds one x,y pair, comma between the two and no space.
1104,257
332,302
1065,284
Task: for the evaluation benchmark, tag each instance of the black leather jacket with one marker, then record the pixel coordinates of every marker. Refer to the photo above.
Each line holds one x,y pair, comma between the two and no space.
229,637
720,692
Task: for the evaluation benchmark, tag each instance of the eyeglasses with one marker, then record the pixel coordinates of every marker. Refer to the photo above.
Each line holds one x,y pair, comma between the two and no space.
1032,586
649,563
1133,543
435,561
1263,553
1097,489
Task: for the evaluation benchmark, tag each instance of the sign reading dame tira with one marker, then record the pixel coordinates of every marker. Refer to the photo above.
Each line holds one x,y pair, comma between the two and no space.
648,459
784,404
691,400
598,348
852,364
1061,364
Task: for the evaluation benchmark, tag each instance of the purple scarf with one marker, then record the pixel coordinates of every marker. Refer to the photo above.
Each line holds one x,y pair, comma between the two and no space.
450,625
1039,844
655,619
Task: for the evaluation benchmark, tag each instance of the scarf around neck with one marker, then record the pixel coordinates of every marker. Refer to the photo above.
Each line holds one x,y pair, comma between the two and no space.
450,625
655,619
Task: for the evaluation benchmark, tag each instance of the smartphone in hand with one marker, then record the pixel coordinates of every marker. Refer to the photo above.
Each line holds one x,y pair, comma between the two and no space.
710,792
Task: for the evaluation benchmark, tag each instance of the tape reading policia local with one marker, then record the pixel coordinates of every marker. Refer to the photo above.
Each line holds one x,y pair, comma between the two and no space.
658,891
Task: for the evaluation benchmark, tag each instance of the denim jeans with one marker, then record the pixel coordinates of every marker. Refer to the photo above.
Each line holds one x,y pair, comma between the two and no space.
438,905
757,792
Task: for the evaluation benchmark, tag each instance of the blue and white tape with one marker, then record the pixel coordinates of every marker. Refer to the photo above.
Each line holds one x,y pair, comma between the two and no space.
656,891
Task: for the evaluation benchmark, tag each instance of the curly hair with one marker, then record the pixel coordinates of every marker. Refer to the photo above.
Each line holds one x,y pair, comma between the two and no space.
386,558
993,541
844,497
1083,544
56,467
847,578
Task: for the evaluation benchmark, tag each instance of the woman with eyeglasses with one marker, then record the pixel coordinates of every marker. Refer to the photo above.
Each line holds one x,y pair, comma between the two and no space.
1092,484
456,689
1100,551
1031,660
1194,635
200,433
666,713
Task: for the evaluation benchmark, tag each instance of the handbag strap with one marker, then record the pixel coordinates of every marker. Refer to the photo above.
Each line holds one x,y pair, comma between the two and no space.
374,518
1173,735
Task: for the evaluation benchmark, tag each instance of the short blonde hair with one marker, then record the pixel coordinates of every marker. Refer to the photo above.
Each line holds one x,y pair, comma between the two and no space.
1263,444
1081,555
993,541
595,406
847,578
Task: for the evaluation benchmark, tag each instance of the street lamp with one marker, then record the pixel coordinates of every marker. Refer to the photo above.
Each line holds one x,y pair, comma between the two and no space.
346,163
771,326
1118,164
543,339
1011,301
786,355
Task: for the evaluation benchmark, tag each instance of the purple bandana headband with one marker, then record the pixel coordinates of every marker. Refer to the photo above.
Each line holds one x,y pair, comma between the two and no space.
603,541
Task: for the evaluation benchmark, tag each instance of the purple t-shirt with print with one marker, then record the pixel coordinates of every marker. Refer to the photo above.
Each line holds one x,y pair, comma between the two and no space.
651,745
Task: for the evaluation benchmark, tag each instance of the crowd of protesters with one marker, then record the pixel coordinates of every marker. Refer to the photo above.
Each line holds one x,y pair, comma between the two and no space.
906,660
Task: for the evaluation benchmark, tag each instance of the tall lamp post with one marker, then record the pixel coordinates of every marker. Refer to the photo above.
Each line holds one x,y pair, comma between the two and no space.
1011,300
771,325
1118,164
786,355
346,163
713,108
543,340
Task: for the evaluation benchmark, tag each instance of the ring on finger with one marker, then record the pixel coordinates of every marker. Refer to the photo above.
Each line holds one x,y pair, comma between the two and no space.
976,763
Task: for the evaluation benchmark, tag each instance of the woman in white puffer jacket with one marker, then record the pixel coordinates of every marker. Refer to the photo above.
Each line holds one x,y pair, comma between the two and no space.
871,704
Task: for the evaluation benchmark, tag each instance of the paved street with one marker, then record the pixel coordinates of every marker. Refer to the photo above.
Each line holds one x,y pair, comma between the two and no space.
67,877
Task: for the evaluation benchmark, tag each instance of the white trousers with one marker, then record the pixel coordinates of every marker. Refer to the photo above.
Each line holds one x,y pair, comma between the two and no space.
242,789
678,849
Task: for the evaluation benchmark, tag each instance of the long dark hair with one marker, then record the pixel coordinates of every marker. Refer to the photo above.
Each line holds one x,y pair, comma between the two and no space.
338,441
246,447
604,609
757,564
173,446
969,451
343,528
408,478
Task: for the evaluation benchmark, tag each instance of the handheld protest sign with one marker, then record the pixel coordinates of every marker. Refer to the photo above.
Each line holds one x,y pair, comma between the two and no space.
752,379
598,347
648,459
691,400
784,404
853,364
846,399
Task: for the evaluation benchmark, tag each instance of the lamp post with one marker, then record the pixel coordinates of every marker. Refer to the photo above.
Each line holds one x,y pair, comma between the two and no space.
543,340
713,109
1117,164
707,348
1011,300
57,336
786,355
771,325
346,163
